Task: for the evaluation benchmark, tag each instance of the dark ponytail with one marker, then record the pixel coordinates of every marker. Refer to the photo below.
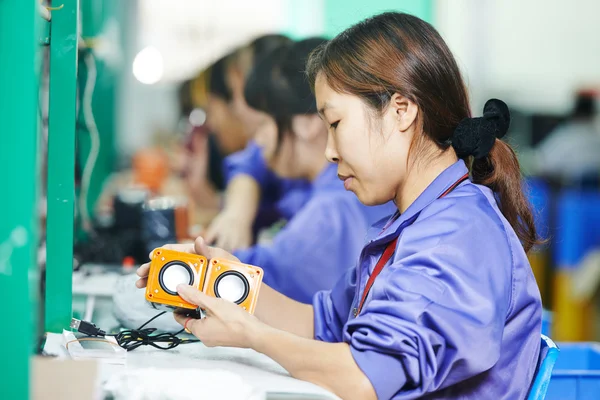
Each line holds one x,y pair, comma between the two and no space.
500,171
495,165
399,53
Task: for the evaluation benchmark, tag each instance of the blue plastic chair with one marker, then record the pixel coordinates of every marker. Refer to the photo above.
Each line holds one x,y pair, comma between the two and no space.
548,355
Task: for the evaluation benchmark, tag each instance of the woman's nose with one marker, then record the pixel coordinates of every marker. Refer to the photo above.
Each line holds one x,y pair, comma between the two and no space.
331,152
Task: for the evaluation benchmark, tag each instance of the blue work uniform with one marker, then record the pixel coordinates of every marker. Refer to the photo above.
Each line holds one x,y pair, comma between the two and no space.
286,196
319,243
455,313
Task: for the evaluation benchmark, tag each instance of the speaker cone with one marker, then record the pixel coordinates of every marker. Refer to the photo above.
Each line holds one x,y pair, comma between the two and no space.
173,274
232,286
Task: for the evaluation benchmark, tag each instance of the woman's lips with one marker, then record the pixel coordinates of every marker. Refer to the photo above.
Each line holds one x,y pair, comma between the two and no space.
347,180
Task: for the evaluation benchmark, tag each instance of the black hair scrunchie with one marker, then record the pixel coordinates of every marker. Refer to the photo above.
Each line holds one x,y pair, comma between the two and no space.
476,136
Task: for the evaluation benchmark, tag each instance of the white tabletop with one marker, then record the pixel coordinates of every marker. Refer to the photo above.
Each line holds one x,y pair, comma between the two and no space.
95,280
256,370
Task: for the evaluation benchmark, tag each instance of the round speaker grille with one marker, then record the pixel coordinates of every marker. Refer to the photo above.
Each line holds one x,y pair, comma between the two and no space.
232,286
173,274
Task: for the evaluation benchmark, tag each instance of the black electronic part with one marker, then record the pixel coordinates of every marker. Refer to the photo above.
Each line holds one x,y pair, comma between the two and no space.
131,339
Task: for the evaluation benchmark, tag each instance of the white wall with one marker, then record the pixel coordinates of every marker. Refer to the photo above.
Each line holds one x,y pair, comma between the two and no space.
532,53
190,34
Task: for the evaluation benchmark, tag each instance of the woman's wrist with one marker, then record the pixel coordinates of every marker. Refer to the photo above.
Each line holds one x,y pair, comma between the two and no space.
240,217
259,334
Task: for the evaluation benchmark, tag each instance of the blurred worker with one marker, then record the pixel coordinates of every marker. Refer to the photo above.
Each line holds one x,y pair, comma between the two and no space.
255,197
227,127
221,133
571,153
324,237
200,160
442,303
240,64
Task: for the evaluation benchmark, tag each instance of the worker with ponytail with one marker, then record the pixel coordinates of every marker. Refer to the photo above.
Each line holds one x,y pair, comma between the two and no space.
442,303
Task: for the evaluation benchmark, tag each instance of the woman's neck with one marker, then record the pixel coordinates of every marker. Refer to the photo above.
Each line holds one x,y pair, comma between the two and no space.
420,177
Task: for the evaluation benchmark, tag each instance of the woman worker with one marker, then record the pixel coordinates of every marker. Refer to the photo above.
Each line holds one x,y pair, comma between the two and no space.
442,303
255,197
323,238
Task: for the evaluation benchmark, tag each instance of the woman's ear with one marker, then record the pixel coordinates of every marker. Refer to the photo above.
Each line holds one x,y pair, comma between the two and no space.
308,127
404,110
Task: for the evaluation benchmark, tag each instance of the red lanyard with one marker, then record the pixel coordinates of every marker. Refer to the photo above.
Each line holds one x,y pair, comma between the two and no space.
389,252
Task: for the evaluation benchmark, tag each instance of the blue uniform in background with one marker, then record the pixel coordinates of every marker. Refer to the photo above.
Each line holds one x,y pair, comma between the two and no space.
323,237
456,313
286,195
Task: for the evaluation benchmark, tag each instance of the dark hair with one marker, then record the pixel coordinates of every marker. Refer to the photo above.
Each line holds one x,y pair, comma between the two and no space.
246,57
278,85
584,106
217,80
184,94
399,53
256,50
258,85
265,44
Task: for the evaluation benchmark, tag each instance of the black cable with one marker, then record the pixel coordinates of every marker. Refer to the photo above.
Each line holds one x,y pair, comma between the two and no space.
131,339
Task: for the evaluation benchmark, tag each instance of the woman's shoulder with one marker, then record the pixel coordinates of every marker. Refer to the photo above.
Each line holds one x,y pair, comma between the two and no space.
461,236
469,215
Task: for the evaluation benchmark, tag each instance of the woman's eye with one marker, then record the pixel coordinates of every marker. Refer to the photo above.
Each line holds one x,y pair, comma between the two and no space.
335,124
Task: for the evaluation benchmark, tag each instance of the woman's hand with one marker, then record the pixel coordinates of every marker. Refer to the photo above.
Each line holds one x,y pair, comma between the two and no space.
230,231
232,228
225,323
198,247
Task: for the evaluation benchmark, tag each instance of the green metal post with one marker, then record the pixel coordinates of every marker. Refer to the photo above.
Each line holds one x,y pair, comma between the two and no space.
61,166
19,36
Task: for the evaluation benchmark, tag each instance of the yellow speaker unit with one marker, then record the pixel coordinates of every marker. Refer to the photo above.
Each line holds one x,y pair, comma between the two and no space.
170,268
234,281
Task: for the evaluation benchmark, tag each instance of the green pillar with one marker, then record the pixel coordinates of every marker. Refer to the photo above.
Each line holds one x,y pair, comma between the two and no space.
61,166
19,36
341,14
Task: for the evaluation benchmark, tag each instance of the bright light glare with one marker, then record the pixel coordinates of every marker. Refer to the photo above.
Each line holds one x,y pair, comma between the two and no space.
198,117
148,66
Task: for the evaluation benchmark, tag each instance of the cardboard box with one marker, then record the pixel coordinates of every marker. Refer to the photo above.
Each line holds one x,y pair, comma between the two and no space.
64,379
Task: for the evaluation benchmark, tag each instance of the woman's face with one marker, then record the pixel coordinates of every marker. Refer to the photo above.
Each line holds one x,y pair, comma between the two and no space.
280,160
225,125
250,118
370,150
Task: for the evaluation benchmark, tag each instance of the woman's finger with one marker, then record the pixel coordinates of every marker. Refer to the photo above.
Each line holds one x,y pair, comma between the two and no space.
182,247
181,319
191,325
143,270
211,233
196,297
141,283
201,247
221,241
